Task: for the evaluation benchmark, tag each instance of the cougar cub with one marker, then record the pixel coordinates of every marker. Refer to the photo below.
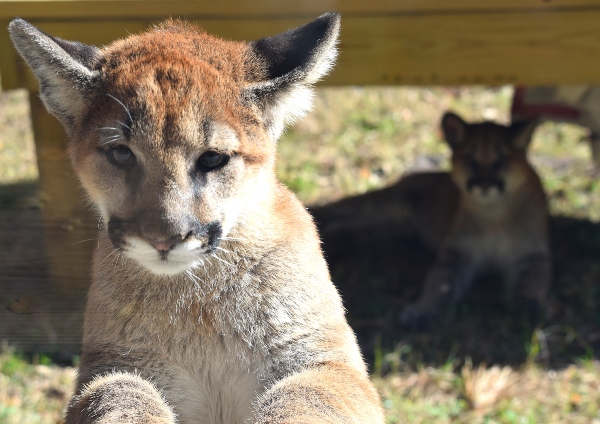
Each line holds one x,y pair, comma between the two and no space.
500,220
210,300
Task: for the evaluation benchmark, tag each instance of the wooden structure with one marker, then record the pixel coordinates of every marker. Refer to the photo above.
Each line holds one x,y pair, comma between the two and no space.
385,42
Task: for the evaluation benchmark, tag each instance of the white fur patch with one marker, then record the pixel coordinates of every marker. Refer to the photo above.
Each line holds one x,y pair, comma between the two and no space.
184,256
489,196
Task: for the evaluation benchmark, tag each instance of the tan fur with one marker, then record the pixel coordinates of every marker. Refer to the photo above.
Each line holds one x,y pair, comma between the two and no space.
210,299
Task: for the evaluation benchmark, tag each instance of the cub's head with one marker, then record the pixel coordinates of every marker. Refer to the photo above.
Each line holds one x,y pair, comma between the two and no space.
173,131
488,159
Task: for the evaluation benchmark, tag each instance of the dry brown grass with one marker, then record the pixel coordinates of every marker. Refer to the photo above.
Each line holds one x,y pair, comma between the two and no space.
493,395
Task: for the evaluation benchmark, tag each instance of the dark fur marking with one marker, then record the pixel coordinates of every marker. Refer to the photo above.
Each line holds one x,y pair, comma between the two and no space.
116,231
82,53
214,231
290,56
294,50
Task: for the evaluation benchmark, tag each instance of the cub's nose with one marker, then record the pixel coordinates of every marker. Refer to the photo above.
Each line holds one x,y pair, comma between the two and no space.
168,244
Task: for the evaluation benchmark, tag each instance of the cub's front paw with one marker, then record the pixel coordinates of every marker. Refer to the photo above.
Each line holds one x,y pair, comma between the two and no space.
418,318
119,397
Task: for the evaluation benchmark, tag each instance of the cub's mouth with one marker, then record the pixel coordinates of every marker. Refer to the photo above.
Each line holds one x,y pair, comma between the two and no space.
485,190
167,255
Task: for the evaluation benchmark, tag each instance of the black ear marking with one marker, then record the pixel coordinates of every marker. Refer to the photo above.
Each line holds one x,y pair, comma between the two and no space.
522,133
454,128
293,61
82,53
297,51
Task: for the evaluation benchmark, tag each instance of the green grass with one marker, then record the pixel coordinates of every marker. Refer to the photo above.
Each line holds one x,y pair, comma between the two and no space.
361,139
32,393
17,152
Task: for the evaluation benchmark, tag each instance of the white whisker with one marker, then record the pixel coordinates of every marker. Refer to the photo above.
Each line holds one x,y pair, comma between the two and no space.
233,238
125,125
192,276
195,280
222,260
81,241
109,255
124,107
113,136
223,250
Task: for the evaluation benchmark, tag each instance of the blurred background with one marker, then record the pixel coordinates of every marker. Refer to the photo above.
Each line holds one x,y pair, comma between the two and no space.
375,119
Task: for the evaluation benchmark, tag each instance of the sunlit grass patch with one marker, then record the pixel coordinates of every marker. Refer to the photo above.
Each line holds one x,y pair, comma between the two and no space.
17,152
31,394
360,139
495,394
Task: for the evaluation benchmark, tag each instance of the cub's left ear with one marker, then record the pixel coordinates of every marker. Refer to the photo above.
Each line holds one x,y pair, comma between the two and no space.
293,61
522,133
63,68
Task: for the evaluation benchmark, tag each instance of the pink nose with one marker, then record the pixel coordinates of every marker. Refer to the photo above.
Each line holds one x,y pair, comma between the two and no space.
165,245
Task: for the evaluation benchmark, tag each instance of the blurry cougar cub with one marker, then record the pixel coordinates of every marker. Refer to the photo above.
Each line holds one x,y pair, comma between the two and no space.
488,213
220,308
500,219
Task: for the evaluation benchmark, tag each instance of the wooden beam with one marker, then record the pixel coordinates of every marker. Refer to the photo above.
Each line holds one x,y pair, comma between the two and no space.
67,221
195,9
505,47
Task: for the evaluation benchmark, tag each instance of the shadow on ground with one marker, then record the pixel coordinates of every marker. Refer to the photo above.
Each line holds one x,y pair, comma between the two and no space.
379,270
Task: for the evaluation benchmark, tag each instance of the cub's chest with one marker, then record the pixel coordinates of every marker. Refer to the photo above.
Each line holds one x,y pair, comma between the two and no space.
494,246
217,390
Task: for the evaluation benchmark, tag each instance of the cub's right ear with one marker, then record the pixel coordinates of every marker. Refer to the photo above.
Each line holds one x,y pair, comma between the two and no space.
454,128
63,68
293,61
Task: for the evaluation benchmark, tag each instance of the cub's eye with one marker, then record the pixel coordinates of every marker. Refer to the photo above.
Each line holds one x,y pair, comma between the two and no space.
121,156
209,161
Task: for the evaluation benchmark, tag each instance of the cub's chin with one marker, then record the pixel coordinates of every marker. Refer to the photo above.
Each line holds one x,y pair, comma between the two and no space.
183,257
486,197
167,267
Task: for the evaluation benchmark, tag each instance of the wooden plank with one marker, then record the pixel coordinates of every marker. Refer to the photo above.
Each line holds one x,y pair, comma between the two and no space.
478,48
531,49
67,221
68,9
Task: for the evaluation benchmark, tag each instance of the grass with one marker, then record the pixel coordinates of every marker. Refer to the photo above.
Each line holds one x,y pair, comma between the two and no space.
37,393
17,151
32,391
492,395
482,370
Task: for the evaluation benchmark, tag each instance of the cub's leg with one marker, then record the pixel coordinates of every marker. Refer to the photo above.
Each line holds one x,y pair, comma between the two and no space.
530,284
328,393
119,397
447,281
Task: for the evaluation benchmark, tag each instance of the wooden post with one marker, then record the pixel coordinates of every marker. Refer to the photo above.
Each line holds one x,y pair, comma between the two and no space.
67,219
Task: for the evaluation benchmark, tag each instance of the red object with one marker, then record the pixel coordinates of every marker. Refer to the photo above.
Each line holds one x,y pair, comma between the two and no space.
522,110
